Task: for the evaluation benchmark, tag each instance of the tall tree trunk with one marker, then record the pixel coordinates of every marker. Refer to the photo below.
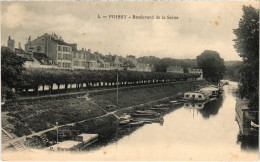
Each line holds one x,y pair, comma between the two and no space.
36,90
58,88
66,88
26,89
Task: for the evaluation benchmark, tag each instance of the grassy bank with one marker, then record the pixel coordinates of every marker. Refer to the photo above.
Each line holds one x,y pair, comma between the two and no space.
27,118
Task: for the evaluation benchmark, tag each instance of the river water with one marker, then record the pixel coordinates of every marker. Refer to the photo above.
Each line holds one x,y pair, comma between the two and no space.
188,133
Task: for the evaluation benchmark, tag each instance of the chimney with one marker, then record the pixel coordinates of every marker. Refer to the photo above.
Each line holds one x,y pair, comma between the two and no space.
82,49
89,50
19,45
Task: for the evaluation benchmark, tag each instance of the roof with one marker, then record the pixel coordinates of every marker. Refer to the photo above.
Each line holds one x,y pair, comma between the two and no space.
60,42
42,56
19,50
66,144
128,63
209,89
88,137
26,56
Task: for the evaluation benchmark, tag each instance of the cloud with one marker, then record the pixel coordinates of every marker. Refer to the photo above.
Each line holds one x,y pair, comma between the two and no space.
205,26
15,15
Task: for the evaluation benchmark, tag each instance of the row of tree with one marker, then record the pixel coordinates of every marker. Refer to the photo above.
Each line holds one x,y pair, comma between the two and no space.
33,78
247,45
15,76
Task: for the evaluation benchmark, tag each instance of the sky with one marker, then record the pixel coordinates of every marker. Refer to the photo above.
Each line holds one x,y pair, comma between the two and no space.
200,26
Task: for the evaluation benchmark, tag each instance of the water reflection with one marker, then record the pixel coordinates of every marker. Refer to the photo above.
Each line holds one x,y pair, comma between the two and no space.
248,144
197,105
184,134
211,108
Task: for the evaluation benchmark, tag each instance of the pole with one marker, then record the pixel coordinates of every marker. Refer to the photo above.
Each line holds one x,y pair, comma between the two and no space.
57,134
117,89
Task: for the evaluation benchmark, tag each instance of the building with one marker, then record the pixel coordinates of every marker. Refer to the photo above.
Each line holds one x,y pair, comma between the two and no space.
128,65
144,67
78,59
175,69
54,47
37,60
114,61
196,71
11,43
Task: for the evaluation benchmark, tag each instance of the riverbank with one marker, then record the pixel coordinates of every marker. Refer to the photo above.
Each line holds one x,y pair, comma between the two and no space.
28,118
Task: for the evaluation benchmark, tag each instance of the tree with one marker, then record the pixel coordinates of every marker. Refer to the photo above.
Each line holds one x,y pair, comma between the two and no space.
247,45
232,72
11,71
212,65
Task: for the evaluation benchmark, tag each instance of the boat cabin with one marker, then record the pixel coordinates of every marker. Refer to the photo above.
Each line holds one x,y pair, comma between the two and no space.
195,96
211,90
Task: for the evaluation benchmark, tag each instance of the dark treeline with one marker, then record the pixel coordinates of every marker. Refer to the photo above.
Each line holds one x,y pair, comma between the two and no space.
160,65
33,78
232,70
247,46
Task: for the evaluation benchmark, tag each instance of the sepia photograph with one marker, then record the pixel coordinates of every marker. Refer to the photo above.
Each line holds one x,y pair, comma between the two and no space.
129,81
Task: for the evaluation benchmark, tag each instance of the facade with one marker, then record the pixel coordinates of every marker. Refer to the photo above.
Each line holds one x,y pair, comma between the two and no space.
144,67
175,69
53,47
113,61
196,71
78,60
58,54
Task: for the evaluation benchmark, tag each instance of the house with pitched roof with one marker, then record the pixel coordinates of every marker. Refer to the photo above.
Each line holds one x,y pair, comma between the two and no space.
54,47
79,59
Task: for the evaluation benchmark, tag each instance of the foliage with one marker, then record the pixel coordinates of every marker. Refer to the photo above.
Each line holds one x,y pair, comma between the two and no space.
11,70
232,72
161,65
212,65
25,118
35,77
247,45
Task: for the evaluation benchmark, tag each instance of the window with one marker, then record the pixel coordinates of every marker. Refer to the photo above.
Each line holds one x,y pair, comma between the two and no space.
64,56
59,48
59,55
38,48
199,105
79,55
64,49
74,55
187,95
69,65
193,96
59,64
200,96
63,64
